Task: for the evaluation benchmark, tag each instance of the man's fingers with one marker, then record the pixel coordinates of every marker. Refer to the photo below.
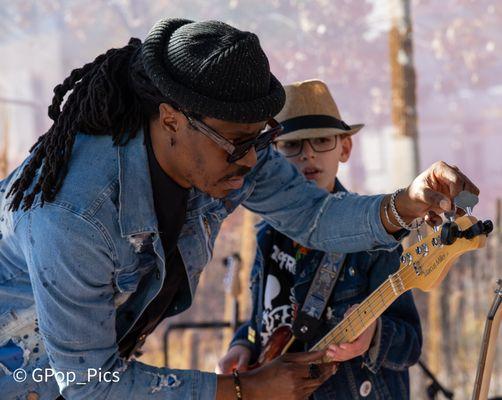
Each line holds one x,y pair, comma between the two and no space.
437,201
454,179
433,219
242,363
242,366
303,358
223,367
327,369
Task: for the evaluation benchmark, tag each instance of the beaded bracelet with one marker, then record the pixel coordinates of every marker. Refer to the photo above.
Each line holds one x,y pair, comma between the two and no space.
398,218
237,384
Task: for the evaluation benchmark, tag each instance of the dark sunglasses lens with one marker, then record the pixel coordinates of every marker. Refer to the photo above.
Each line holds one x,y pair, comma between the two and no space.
239,152
260,143
266,138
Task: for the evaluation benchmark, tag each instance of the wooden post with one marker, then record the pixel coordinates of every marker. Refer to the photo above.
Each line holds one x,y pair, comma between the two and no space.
246,253
404,114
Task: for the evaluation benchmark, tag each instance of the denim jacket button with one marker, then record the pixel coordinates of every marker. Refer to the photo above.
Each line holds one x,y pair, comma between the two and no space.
352,271
365,389
32,396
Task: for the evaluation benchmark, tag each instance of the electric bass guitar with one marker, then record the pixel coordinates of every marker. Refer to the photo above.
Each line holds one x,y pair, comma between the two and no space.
423,265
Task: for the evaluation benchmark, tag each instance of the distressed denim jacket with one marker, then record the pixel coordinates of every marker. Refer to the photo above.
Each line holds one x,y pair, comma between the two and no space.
382,372
77,273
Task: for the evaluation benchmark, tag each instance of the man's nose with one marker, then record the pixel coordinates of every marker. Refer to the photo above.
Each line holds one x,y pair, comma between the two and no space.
249,160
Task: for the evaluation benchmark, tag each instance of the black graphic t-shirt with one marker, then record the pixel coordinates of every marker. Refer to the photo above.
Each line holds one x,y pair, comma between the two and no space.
279,304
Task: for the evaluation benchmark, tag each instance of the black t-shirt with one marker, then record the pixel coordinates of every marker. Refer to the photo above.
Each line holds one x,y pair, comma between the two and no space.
278,298
170,201
279,302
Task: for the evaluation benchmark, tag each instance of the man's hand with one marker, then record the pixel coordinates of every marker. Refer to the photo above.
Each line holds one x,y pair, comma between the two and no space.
237,357
347,351
430,194
286,378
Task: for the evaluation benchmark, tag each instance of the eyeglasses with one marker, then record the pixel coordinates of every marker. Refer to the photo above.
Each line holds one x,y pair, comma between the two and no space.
292,148
237,150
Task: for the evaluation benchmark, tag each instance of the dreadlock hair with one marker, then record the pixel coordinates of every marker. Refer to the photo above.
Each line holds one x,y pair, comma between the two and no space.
110,96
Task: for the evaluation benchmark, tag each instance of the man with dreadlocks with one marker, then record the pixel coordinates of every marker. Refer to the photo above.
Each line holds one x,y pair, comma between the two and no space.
108,223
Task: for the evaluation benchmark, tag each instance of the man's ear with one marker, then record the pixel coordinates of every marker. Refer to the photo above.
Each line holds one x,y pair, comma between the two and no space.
169,118
346,144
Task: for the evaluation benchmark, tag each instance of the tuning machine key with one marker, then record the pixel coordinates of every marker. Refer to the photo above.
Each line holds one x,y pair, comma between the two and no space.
466,201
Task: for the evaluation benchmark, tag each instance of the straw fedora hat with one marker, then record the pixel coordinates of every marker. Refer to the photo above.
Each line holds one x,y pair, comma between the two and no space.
310,111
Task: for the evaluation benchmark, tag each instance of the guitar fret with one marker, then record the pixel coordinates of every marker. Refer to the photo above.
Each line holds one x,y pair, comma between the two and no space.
381,295
371,308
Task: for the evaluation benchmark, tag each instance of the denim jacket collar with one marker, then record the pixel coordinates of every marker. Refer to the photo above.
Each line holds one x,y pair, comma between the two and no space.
136,208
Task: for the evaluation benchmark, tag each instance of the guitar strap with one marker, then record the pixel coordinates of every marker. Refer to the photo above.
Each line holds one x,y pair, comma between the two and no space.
307,321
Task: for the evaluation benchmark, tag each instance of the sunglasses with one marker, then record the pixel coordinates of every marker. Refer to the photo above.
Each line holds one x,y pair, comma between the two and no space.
237,150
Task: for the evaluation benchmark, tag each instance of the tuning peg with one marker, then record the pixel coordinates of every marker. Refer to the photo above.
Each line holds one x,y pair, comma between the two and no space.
450,215
449,233
487,227
466,201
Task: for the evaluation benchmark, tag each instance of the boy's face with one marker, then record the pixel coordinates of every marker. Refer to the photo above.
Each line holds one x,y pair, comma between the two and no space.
320,167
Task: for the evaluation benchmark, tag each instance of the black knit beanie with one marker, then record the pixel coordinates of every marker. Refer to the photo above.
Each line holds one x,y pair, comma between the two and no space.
212,69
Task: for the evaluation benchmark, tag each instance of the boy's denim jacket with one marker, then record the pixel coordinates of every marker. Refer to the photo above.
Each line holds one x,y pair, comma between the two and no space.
70,271
382,372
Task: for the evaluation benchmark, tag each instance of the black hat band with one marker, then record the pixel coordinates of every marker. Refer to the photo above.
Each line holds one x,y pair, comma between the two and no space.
313,122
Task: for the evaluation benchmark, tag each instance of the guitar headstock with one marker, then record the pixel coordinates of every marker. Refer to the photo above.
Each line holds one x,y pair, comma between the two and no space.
425,263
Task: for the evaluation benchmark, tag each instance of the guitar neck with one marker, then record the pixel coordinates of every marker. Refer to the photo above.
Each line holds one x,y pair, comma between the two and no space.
366,312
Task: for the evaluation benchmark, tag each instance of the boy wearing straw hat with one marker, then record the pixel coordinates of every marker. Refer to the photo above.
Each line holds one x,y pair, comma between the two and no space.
375,365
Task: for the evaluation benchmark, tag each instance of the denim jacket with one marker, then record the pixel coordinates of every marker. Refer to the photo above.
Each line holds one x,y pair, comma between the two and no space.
76,273
382,372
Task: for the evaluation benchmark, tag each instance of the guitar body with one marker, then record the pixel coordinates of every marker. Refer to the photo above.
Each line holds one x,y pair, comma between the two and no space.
278,344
